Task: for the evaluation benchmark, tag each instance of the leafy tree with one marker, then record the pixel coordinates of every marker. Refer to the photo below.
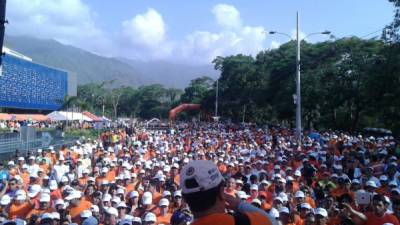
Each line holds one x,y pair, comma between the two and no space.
197,89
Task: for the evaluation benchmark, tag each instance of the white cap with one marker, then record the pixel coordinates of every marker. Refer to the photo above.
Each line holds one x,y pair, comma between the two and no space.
20,192
5,200
299,194
297,173
242,195
20,198
120,191
46,216
86,213
121,205
73,195
203,175
257,201
34,190
284,210
321,211
150,217
112,211
166,193
274,213
254,187
147,198
283,196
383,178
164,202
355,181
305,205
278,199
238,181
44,198
55,215
116,200
94,208
178,193
106,198
137,219
21,159
59,202
371,183
134,194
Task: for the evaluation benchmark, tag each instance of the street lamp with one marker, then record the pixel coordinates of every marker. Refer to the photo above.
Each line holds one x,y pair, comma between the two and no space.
298,92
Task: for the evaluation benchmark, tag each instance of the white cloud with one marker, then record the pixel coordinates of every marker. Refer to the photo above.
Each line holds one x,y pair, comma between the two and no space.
144,37
227,16
148,28
68,21
275,44
293,34
233,38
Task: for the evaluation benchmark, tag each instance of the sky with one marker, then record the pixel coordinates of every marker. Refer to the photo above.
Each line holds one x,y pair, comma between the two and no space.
190,31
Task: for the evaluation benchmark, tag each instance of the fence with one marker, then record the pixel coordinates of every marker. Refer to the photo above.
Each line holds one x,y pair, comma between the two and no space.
29,139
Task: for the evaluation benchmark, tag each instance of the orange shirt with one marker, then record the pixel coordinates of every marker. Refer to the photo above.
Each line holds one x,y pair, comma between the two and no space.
19,211
231,193
75,211
226,219
372,219
39,212
311,202
82,181
165,219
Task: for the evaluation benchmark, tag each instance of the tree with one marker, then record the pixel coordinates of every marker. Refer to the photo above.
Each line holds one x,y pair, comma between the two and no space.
391,33
197,89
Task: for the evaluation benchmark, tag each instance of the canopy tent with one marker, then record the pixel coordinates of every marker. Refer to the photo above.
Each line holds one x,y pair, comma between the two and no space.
63,116
5,116
105,119
57,116
23,117
92,116
33,117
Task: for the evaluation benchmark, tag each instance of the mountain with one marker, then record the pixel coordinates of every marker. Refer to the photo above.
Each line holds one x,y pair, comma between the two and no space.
171,74
90,67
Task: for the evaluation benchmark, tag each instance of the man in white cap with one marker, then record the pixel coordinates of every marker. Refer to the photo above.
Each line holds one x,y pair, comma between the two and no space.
203,190
147,204
150,219
60,169
163,217
43,208
321,216
77,205
111,216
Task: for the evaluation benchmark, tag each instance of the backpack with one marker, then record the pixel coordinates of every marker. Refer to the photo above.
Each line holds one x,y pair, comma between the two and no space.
241,219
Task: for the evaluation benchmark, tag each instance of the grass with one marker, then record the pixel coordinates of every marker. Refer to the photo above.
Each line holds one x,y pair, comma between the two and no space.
79,133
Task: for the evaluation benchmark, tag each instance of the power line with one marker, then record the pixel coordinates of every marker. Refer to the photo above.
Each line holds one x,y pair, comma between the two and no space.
380,30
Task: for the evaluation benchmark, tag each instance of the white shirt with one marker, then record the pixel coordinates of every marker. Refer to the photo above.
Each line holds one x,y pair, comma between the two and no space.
60,170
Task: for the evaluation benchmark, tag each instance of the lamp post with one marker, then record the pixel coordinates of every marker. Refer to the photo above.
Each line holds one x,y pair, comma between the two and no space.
216,100
298,81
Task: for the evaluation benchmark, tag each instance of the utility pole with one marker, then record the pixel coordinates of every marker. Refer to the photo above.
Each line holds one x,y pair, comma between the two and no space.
298,87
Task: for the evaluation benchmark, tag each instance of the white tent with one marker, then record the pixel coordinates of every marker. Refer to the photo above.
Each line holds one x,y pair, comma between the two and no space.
63,116
105,119
57,116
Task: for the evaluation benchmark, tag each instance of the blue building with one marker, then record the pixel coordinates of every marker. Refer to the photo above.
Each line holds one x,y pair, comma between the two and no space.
29,86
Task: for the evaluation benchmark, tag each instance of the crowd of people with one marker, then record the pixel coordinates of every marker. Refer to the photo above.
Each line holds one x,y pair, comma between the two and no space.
206,173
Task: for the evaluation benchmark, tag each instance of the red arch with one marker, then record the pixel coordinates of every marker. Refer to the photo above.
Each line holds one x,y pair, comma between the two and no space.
182,108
